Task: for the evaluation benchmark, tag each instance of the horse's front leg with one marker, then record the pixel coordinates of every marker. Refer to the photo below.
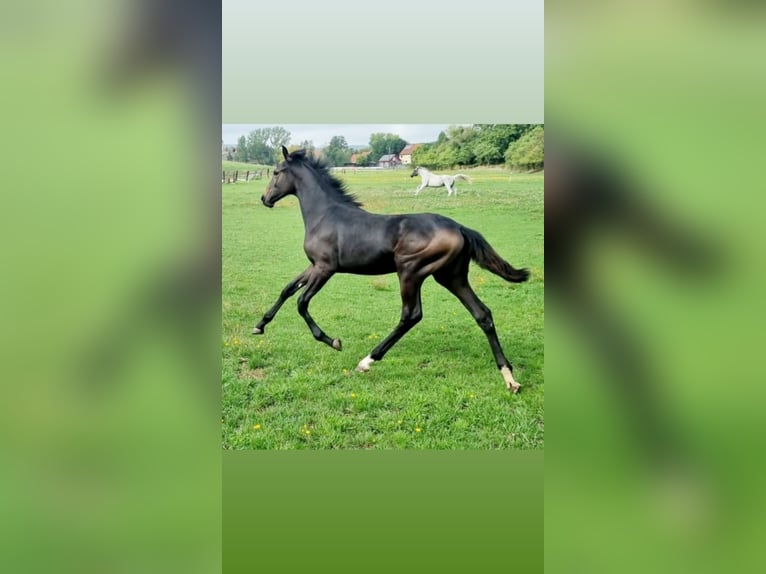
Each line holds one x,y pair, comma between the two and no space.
316,281
420,188
412,313
290,289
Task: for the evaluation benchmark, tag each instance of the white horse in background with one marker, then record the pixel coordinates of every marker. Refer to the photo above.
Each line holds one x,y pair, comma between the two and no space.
428,179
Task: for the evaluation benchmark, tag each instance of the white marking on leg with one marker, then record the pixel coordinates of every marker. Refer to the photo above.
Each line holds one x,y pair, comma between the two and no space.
364,364
512,385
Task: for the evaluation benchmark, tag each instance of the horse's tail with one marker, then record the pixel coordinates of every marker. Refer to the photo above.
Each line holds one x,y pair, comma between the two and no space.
463,177
481,252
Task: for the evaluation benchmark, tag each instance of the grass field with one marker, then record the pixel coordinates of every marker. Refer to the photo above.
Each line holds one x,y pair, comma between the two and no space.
438,388
232,165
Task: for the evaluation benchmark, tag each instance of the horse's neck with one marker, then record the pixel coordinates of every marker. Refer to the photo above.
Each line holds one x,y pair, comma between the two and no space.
314,201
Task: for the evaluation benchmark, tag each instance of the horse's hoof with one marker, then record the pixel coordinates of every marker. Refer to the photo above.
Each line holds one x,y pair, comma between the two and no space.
336,344
257,331
364,364
510,382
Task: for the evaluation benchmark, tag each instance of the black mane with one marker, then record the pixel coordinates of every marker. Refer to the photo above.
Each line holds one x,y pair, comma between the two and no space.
325,178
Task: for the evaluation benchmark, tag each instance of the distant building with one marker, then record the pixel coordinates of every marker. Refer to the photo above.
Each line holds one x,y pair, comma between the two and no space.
389,160
406,154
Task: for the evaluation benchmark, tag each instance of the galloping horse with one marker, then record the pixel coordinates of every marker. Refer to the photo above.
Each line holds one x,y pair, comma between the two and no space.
341,237
428,179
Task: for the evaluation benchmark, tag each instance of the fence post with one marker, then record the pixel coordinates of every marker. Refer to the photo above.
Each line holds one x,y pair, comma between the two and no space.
247,176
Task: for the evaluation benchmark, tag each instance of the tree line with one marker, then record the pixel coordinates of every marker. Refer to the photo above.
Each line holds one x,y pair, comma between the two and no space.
518,146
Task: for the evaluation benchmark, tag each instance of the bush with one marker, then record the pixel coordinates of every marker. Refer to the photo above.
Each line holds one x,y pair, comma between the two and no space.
528,152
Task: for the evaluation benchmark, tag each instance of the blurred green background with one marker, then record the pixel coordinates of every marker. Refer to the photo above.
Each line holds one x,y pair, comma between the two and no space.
109,447
111,459
670,91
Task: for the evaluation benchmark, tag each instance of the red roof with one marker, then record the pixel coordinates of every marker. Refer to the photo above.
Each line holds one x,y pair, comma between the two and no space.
409,148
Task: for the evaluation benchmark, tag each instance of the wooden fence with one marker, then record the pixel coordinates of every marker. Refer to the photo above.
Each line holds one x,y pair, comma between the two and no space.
240,175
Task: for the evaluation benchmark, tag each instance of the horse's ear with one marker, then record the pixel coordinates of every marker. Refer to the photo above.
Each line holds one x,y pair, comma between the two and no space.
285,153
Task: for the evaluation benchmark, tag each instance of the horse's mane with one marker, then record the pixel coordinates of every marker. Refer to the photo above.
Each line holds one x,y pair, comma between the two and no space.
325,178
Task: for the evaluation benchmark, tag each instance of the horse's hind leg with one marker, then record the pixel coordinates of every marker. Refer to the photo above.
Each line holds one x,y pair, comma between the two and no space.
315,282
457,284
412,313
290,289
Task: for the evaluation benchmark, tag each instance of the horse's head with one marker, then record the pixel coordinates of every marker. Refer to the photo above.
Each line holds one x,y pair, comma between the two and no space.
415,172
284,179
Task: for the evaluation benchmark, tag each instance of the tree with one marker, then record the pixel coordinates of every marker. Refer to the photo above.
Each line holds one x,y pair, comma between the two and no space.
486,153
468,145
453,147
258,150
264,144
528,152
277,137
382,144
241,153
492,140
363,158
446,155
461,135
337,151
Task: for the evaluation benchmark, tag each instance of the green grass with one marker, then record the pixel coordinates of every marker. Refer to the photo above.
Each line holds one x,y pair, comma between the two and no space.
438,388
232,165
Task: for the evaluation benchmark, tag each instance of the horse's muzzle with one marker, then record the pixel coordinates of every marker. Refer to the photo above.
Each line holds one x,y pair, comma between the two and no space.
266,203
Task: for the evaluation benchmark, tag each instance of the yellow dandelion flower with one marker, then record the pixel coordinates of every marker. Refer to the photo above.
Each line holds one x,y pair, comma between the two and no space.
353,395
418,429
256,427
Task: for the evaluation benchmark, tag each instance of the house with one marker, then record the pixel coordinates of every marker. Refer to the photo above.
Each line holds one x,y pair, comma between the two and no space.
389,160
406,154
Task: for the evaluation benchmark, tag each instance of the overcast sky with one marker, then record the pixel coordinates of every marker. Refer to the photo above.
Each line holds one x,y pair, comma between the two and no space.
355,134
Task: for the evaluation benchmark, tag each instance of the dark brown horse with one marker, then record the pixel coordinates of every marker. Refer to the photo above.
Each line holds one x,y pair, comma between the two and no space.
343,238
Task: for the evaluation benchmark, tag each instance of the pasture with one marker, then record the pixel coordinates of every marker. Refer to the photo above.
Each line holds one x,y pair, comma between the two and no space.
438,388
